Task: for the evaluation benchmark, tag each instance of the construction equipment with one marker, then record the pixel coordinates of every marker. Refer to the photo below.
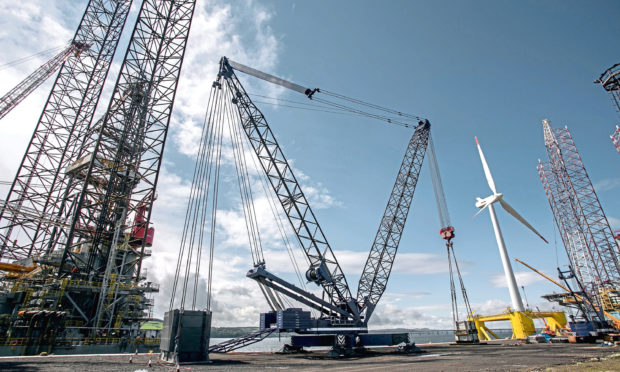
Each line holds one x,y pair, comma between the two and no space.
464,331
342,316
35,79
571,298
91,185
522,322
592,250
610,81
40,180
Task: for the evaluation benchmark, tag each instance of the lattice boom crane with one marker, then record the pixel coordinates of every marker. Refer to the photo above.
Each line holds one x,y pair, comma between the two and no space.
324,270
35,79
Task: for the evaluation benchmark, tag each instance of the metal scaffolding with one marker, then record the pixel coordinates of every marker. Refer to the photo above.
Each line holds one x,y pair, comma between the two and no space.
582,224
40,181
80,208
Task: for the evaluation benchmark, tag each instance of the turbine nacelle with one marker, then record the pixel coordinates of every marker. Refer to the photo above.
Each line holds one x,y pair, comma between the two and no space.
483,203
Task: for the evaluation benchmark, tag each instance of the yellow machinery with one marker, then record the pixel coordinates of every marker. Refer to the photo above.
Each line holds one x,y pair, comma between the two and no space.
13,270
609,296
522,322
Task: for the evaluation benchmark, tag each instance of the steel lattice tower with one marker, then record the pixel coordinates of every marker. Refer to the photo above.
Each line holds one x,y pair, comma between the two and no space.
615,138
81,203
27,219
119,160
610,81
582,224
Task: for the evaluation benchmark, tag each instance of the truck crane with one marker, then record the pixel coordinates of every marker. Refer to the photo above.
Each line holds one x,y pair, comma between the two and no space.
35,79
343,320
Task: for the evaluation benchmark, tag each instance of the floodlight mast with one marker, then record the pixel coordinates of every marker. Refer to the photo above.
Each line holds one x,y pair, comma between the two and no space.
324,268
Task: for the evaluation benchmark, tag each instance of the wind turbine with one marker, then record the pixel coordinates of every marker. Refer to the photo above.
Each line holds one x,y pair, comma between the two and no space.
517,303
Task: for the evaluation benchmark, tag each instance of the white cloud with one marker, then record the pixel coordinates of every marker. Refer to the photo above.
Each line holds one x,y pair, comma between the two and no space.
34,26
398,296
388,315
614,222
607,184
244,35
492,306
523,278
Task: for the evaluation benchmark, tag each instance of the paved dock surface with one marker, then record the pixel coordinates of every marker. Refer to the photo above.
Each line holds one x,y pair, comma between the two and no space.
509,356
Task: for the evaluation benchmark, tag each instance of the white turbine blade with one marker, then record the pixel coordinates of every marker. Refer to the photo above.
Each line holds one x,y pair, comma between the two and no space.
485,166
516,215
480,211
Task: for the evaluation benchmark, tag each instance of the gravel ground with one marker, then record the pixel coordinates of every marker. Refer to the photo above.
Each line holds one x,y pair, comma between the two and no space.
437,357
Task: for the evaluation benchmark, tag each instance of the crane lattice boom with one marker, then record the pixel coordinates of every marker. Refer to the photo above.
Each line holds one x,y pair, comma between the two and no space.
378,266
324,268
35,79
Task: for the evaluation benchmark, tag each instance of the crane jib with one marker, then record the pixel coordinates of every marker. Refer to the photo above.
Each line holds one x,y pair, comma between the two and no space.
272,79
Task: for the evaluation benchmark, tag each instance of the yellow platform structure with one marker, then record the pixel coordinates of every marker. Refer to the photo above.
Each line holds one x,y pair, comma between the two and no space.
522,322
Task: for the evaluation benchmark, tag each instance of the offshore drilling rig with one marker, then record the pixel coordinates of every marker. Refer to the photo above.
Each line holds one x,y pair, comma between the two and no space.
593,253
76,223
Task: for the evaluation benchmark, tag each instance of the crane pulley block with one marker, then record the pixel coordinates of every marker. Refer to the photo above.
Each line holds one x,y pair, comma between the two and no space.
447,233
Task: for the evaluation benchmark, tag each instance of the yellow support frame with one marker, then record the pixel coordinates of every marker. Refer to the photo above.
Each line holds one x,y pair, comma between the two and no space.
521,322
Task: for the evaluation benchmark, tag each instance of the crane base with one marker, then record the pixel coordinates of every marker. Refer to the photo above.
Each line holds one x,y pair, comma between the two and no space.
185,336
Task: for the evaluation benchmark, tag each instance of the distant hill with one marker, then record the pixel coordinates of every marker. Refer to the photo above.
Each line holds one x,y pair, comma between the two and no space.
231,332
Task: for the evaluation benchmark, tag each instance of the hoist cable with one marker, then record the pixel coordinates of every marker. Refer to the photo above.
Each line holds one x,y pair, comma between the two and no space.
455,315
241,184
312,108
464,292
198,205
206,130
367,114
280,223
203,192
32,56
331,107
202,209
368,104
214,166
214,219
440,197
245,190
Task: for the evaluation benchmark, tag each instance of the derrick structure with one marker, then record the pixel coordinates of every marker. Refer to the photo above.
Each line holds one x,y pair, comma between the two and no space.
95,214
584,229
610,81
66,116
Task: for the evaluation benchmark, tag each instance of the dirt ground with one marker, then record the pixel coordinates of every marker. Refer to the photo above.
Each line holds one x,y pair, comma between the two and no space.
437,357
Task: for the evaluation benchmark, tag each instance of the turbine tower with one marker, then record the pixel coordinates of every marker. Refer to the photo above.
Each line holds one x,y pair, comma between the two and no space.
517,302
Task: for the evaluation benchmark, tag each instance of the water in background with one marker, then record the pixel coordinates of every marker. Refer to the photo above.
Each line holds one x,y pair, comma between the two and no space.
419,337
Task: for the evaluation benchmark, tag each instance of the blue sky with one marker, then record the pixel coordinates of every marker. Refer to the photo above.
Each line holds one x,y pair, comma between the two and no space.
492,69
